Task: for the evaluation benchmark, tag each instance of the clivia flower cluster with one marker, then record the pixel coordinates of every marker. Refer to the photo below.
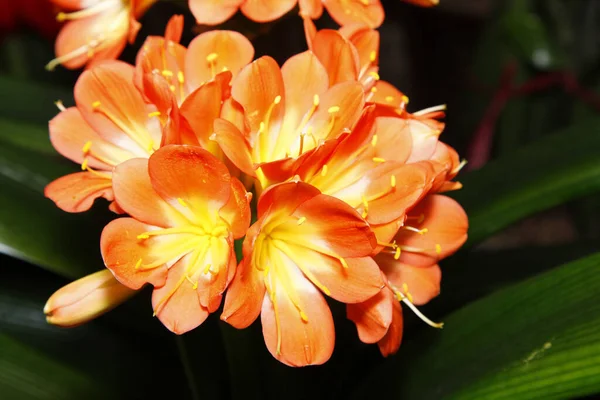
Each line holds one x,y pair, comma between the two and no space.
190,145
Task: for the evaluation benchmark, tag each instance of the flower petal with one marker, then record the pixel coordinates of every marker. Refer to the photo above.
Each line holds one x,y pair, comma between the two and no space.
393,338
191,180
213,12
135,195
446,224
85,299
256,87
176,304
291,339
70,133
237,210
312,9
394,139
125,255
244,296
266,10
76,192
234,145
212,52
112,105
348,12
373,316
337,54
286,197
423,283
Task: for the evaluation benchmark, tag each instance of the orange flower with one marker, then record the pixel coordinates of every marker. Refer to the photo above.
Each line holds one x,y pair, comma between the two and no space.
186,211
85,299
303,243
213,12
97,30
110,125
190,87
435,229
290,112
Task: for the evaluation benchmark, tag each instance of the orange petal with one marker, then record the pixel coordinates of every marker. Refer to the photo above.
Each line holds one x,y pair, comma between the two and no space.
112,105
337,54
394,139
424,140
310,30
85,299
212,52
291,339
424,3
244,297
387,95
135,195
234,145
349,12
176,304
69,134
76,192
256,87
286,197
373,316
312,9
71,4
423,283
446,224
266,10
237,210
303,78
393,338
201,108
366,42
100,37
125,255
191,180
214,12
174,28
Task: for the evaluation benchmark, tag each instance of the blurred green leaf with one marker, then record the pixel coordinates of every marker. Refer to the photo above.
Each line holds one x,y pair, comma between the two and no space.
26,136
553,170
536,339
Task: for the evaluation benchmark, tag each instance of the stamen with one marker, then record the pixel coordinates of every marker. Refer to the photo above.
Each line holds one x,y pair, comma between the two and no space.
441,107
180,77
373,89
378,159
86,148
365,206
438,248
372,56
138,263
301,220
374,141
182,202
397,253
343,262
316,100
59,104
405,99
393,181
333,109
154,114
416,230
401,297
303,316
459,167
374,75
167,73
389,99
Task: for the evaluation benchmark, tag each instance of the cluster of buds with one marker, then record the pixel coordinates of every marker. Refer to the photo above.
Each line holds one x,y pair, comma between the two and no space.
193,144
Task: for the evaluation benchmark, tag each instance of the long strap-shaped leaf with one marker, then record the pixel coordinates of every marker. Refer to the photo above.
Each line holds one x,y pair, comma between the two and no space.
539,339
551,171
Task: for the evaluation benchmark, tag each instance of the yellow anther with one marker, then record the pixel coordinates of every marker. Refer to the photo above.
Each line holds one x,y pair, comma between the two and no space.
59,104
180,77
303,316
166,72
150,145
277,99
393,181
374,75
154,114
261,127
405,99
374,141
389,99
405,287
378,159
138,264
301,220
333,109
397,253
84,165
195,285
459,167
86,147
316,100
96,104
372,56
212,57
324,170
438,248
172,88
143,236
343,262
373,89
183,203
207,268
365,206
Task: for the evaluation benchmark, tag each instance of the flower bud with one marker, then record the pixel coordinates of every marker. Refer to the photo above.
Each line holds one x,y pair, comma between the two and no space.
85,299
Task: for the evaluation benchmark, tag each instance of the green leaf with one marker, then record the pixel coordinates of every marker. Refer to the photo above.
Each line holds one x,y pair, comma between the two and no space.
553,170
536,339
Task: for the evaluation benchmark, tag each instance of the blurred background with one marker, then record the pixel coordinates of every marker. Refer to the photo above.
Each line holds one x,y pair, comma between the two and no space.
521,300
